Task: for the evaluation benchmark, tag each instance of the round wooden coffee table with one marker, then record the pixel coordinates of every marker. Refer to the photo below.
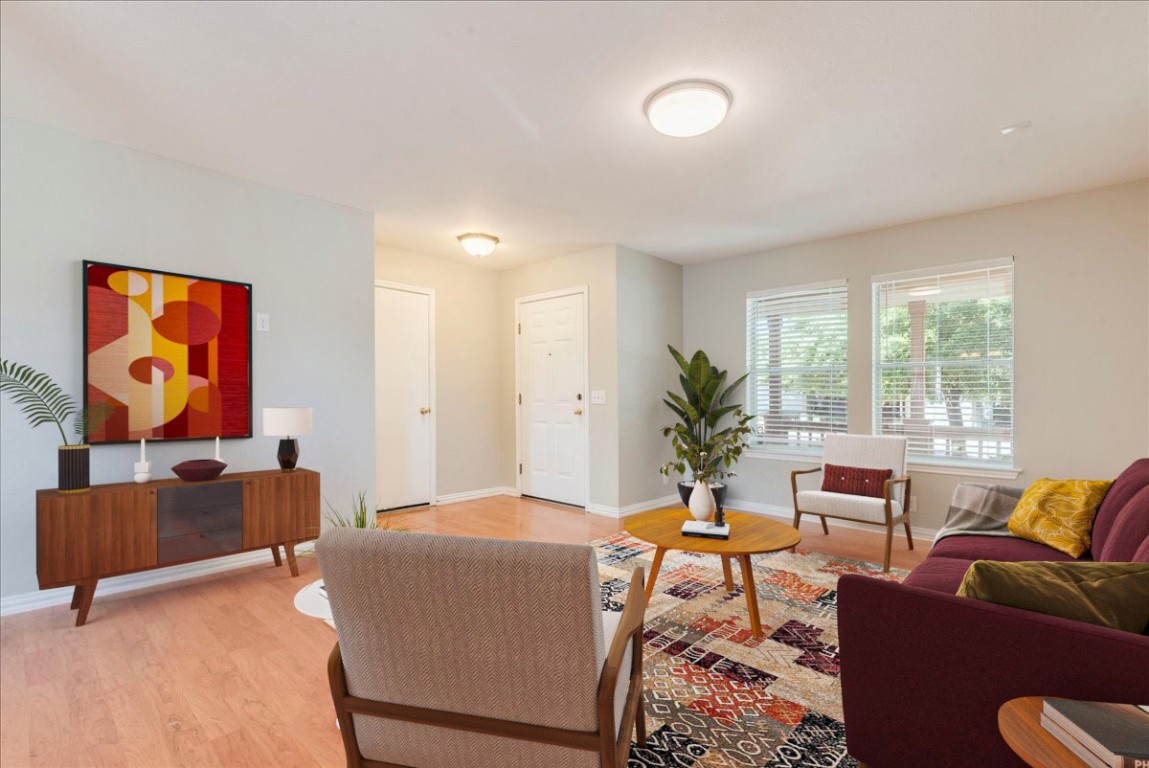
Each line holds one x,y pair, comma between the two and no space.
749,535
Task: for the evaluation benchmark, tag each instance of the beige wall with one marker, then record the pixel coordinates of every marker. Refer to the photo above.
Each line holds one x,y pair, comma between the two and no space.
1082,340
66,199
649,318
469,454
595,269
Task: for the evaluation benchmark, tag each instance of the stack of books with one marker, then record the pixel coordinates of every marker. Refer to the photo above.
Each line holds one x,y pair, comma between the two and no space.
1102,735
705,530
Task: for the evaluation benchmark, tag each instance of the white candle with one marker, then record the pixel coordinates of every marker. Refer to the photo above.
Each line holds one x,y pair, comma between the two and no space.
142,457
217,449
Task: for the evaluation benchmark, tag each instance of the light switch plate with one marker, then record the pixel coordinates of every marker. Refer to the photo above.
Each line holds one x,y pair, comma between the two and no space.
598,396
262,321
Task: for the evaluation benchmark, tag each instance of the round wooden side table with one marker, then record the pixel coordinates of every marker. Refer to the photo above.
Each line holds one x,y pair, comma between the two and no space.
1019,721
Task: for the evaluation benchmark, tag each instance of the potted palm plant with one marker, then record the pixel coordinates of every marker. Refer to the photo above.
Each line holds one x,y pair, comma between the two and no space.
701,443
43,401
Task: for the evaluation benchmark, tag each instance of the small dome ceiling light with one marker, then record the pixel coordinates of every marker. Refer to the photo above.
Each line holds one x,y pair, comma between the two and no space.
687,108
478,244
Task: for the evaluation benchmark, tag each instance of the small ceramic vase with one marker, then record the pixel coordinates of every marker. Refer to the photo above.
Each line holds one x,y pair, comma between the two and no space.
701,501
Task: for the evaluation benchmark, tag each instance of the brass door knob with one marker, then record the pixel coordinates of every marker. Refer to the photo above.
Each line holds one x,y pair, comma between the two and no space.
578,411
424,410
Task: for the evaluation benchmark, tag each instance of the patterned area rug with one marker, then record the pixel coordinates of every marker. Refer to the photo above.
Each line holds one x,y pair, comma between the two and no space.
715,695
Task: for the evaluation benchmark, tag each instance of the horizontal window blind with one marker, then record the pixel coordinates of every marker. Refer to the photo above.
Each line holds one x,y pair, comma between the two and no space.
943,367
796,358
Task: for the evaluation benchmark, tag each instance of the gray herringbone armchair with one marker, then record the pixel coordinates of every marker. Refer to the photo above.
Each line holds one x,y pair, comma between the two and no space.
484,653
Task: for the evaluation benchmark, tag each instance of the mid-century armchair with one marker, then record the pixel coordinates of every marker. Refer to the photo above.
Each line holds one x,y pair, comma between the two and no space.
888,508
457,651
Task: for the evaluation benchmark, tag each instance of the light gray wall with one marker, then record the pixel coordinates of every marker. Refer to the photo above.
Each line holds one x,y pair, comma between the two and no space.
468,366
595,269
66,199
649,318
1082,368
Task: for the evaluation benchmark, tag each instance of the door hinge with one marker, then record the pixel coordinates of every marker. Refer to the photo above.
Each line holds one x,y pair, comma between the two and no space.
520,469
520,327
520,398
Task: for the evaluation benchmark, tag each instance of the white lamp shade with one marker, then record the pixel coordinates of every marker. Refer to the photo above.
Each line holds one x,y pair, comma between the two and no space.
286,422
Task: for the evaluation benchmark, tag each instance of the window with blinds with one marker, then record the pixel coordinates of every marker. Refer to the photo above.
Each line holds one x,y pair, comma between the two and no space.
943,363
796,359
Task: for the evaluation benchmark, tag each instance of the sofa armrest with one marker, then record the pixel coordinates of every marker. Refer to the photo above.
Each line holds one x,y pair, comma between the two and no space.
924,672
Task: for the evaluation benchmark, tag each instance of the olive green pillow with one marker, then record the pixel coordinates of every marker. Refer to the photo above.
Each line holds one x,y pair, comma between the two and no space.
1108,594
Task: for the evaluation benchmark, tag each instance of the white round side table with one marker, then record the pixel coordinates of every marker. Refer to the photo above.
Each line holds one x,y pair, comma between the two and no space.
312,601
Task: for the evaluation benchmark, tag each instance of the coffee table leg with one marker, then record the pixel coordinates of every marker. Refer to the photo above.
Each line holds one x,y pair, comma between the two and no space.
658,553
751,595
726,573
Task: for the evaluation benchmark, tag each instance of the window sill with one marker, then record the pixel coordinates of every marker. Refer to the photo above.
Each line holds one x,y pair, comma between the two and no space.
960,470
967,470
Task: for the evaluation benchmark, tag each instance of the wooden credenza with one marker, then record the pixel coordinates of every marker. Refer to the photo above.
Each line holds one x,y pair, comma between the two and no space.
125,527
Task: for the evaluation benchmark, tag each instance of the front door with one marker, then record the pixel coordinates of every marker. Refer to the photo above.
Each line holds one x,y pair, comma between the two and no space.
552,375
404,422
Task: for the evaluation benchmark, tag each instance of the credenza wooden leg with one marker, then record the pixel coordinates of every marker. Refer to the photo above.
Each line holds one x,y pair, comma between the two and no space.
82,599
275,554
289,550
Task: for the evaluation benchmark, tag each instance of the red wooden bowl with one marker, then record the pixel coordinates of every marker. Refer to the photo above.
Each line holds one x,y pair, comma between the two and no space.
198,470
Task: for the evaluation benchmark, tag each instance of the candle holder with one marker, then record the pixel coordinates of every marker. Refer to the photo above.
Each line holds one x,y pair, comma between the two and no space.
143,472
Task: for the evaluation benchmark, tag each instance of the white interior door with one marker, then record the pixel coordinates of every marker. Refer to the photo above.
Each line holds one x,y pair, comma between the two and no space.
552,377
404,421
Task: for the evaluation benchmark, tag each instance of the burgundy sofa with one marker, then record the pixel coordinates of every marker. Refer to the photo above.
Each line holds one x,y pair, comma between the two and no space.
924,671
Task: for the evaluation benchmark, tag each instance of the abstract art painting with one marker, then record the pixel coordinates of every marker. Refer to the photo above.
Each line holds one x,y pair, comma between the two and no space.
168,354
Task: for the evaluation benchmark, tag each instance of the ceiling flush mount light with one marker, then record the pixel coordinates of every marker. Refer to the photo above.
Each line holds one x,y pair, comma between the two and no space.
478,244
687,108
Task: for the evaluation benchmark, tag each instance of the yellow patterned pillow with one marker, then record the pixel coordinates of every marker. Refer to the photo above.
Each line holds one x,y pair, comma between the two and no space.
1059,513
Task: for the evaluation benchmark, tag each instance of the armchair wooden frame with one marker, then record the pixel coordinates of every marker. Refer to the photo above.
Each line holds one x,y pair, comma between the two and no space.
889,522
613,748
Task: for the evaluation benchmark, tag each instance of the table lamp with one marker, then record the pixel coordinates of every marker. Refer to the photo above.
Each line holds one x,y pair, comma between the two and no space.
287,424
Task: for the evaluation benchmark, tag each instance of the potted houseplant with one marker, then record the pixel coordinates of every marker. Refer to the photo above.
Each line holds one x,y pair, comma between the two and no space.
362,516
43,401
701,444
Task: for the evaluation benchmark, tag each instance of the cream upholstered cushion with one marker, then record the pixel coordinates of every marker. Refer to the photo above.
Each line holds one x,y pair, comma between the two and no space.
872,451
502,629
847,505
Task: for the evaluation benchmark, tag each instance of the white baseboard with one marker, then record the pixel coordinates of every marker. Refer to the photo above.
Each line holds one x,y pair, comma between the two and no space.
47,598
482,493
787,514
632,509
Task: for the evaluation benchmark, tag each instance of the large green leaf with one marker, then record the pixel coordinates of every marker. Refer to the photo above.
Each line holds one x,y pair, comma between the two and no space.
678,358
699,371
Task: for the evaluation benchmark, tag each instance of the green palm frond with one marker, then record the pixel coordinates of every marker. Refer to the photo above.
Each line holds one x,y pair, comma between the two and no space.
41,399
89,419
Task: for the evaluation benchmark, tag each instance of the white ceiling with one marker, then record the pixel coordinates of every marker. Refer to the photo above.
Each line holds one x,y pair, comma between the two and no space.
525,119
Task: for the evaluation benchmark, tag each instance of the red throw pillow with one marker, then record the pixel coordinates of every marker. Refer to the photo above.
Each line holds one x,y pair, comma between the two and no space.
856,481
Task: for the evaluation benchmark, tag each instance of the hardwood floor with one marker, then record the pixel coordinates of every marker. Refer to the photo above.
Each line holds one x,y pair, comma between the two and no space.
222,670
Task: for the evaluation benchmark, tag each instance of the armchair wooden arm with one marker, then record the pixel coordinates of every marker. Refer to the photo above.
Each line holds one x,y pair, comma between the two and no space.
794,479
614,747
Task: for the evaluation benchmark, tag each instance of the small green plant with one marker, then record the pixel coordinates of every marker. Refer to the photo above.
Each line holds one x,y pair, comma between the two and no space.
43,401
699,445
362,516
